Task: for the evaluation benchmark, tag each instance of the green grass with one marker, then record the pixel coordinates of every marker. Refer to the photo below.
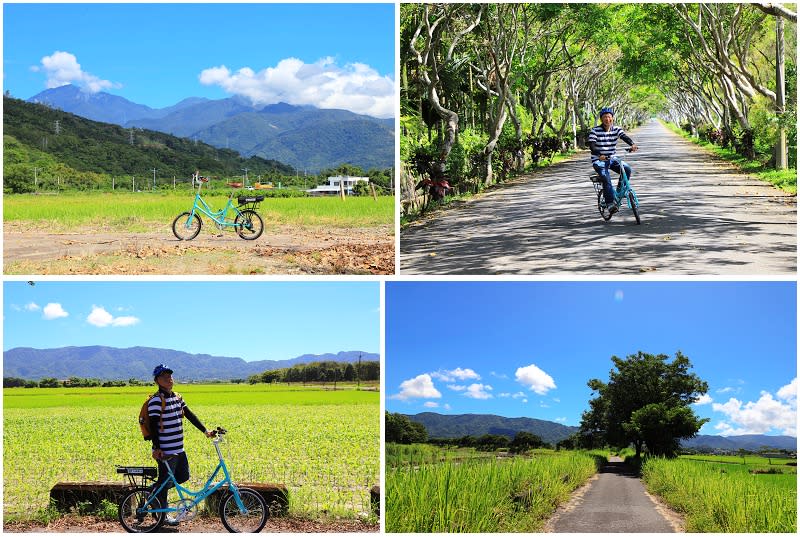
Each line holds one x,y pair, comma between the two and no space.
480,495
323,445
146,211
724,497
785,180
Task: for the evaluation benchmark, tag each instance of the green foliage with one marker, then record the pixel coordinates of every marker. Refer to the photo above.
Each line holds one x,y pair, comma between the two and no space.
724,498
645,402
401,430
326,371
323,444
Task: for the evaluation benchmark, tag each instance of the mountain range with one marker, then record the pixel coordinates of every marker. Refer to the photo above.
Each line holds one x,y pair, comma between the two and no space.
110,363
457,425
305,137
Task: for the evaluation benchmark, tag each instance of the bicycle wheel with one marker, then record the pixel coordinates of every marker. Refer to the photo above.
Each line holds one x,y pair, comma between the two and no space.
134,522
601,205
186,226
634,207
252,520
249,225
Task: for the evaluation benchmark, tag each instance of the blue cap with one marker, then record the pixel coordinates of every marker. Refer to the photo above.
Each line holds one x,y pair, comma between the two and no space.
161,368
607,110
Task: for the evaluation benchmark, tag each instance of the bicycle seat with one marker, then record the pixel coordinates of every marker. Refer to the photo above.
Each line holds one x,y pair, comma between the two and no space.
250,199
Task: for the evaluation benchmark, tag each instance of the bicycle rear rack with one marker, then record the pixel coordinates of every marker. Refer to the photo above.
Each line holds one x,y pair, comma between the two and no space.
249,202
138,476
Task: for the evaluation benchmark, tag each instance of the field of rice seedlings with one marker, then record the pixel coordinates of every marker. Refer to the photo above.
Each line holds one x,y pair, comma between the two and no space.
507,494
323,445
725,497
139,211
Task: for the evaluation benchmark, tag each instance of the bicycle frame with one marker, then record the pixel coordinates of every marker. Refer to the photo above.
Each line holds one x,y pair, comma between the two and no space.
197,496
218,217
624,185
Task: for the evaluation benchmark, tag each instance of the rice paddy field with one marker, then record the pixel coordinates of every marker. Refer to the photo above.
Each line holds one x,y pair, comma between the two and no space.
140,211
477,494
323,445
727,494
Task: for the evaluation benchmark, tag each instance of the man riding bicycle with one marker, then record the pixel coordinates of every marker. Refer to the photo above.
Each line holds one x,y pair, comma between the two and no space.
603,146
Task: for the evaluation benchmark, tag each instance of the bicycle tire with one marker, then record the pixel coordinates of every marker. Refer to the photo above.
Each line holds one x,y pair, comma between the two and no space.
126,512
182,230
601,205
249,225
634,207
237,522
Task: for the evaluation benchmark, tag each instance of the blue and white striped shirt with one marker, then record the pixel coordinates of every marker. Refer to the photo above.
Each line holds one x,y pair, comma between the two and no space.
605,142
170,439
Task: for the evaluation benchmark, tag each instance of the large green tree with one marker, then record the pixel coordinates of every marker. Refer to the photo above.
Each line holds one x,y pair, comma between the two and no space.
646,402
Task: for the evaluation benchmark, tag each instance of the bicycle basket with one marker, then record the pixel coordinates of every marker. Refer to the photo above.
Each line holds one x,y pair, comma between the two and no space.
250,202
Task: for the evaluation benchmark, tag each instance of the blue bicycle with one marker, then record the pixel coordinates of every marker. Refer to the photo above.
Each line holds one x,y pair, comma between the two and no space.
624,192
242,218
242,510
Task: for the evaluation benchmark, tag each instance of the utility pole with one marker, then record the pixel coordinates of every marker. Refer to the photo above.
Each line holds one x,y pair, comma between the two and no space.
245,175
35,177
131,136
58,127
154,178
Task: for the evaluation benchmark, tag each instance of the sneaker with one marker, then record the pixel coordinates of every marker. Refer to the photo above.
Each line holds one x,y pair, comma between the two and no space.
613,208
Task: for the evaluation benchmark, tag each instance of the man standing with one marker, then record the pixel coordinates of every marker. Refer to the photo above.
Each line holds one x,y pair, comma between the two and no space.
166,410
603,145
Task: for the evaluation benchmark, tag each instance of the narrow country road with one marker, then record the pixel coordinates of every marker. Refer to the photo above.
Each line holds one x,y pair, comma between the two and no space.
699,216
615,502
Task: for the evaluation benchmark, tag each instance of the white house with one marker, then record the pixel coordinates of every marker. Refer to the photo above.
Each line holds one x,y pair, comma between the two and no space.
335,183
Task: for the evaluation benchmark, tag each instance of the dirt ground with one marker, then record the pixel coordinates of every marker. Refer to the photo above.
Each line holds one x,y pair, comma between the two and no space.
90,524
283,250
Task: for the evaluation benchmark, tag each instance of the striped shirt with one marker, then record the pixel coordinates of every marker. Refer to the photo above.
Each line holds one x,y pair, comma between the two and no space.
170,439
605,142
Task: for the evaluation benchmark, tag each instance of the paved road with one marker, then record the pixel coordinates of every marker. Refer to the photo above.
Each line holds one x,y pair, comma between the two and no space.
615,502
698,217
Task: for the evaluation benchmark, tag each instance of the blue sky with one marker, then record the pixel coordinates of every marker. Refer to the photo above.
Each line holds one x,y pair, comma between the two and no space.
528,348
328,55
249,320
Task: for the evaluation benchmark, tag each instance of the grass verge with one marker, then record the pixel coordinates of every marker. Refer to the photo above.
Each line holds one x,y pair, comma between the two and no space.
785,180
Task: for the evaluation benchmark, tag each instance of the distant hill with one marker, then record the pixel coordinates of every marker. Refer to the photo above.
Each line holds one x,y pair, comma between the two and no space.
750,442
110,363
454,426
35,131
304,136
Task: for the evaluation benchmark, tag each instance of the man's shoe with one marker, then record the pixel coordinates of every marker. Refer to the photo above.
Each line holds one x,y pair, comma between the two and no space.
613,208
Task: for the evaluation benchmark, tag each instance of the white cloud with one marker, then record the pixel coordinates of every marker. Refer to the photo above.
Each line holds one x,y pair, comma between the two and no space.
561,420
446,406
32,306
62,68
519,395
504,394
53,310
535,379
431,404
101,318
478,391
762,416
455,374
498,375
456,387
704,400
420,387
356,87
524,400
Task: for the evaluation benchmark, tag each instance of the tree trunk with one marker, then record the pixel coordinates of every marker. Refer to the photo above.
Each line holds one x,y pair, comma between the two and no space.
781,155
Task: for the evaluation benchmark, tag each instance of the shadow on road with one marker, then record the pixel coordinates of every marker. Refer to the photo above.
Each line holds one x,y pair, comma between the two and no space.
621,469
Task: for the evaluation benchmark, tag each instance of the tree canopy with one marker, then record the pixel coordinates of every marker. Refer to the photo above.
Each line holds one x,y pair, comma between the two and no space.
646,402
487,87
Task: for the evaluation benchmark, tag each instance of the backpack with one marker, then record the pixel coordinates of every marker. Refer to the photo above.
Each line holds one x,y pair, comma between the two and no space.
144,416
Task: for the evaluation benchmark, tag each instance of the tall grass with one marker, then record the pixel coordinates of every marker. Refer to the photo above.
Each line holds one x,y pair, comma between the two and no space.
482,496
128,211
724,498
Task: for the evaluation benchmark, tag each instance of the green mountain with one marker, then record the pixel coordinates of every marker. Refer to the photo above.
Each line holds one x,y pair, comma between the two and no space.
454,426
80,150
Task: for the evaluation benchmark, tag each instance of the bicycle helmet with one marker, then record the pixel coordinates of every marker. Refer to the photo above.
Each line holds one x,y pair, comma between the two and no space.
607,110
161,368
